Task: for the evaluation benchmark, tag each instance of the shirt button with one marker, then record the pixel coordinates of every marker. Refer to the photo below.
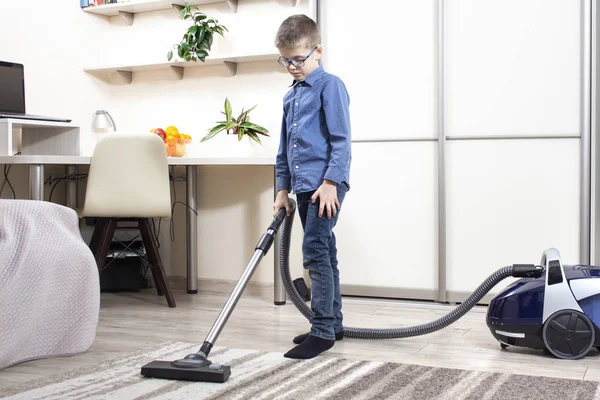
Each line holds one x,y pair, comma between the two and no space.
297,167
294,124
296,103
294,144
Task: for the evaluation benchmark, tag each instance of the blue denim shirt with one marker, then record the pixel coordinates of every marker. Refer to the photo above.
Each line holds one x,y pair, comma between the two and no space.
315,139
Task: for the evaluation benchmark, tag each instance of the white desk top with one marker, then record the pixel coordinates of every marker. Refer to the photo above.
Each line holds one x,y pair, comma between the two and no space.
85,160
36,122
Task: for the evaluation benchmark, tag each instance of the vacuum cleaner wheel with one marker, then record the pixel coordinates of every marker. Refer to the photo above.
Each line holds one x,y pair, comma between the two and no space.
568,334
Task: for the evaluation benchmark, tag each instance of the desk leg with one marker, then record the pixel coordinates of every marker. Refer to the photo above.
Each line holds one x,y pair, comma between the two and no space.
36,182
280,295
192,230
71,185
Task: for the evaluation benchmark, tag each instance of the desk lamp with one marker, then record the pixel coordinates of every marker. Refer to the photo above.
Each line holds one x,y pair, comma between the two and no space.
103,122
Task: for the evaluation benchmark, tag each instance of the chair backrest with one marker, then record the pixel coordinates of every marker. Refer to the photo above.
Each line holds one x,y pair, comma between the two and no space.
128,177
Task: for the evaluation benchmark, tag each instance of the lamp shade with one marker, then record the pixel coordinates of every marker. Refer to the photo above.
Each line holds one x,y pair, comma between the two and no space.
103,122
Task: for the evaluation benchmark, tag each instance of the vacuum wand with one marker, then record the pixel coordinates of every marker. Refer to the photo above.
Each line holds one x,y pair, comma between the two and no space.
196,366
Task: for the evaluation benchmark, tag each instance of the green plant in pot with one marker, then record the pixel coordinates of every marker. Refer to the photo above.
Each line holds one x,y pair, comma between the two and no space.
240,126
198,39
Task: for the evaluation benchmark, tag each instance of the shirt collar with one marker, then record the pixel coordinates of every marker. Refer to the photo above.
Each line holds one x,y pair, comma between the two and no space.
311,78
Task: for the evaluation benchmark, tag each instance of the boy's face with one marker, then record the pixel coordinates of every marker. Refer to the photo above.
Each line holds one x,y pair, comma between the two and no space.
298,54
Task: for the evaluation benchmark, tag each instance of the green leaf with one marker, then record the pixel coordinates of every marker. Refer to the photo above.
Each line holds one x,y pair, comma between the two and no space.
213,132
254,137
201,34
170,55
254,127
202,53
231,125
259,132
199,17
240,133
227,109
244,115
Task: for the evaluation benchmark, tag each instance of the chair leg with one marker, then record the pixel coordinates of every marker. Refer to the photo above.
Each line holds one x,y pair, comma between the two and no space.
108,231
153,261
157,267
97,235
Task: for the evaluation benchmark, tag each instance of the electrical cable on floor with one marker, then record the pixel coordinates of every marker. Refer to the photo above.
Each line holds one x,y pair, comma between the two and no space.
175,202
54,181
6,180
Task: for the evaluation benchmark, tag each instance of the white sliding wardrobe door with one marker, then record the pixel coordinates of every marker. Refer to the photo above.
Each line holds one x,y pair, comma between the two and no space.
386,234
514,72
385,52
507,201
513,67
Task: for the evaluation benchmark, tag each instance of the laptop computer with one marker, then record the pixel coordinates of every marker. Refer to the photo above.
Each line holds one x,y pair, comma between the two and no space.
12,94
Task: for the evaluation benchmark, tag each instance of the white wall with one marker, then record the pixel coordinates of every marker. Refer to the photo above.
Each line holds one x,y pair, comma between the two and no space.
230,220
513,69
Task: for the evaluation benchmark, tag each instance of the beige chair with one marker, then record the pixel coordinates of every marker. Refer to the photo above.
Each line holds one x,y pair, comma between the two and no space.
129,180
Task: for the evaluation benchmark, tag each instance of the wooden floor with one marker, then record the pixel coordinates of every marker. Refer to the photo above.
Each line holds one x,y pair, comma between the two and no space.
131,322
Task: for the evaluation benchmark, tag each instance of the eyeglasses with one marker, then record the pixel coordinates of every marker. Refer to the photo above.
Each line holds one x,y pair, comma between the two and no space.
298,62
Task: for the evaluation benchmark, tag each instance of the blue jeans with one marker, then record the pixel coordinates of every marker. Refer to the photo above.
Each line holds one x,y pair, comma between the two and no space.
319,253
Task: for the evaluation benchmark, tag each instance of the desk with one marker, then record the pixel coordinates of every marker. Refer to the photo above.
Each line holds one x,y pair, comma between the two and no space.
36,192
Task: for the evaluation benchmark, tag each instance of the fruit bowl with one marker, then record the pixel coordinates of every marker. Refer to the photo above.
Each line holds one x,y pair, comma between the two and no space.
177,147
176,144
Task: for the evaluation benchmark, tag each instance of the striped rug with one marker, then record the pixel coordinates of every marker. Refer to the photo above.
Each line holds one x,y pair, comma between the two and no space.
264,375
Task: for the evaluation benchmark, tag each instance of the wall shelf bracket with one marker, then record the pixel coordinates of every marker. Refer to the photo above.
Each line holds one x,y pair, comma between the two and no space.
233,5
127,17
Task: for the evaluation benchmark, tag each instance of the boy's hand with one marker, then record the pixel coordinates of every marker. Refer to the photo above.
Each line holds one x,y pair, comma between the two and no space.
282,200
328,194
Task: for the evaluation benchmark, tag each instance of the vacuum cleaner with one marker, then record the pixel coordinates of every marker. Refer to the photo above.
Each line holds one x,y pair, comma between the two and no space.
552,307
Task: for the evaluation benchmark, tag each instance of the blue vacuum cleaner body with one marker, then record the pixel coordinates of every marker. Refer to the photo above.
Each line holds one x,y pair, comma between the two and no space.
557,310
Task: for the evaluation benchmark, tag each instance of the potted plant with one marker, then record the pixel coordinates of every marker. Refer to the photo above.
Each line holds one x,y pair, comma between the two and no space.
239,126
197,40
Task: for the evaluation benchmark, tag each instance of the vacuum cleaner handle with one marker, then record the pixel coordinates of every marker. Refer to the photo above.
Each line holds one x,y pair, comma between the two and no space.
281,214
265,242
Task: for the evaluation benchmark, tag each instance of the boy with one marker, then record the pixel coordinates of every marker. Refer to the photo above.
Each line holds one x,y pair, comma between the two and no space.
313,161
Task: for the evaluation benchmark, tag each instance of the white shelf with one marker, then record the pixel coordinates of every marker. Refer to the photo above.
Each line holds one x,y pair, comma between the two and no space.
129,9
124,73
35,137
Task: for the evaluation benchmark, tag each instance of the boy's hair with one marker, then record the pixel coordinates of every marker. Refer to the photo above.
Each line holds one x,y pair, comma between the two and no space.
298,30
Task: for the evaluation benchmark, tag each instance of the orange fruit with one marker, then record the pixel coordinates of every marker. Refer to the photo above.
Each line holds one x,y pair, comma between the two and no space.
171,130
187,139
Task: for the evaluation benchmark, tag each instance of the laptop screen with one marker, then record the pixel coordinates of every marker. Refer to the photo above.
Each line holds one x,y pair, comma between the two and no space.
12,88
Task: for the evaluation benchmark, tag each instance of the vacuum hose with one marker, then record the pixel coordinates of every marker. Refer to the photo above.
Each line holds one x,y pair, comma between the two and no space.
395,333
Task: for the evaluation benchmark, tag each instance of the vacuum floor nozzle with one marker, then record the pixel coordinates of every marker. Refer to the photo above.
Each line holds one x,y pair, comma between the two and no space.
202,372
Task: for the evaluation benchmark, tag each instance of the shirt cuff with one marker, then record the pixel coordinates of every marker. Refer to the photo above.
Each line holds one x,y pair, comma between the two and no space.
335,175
283,184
